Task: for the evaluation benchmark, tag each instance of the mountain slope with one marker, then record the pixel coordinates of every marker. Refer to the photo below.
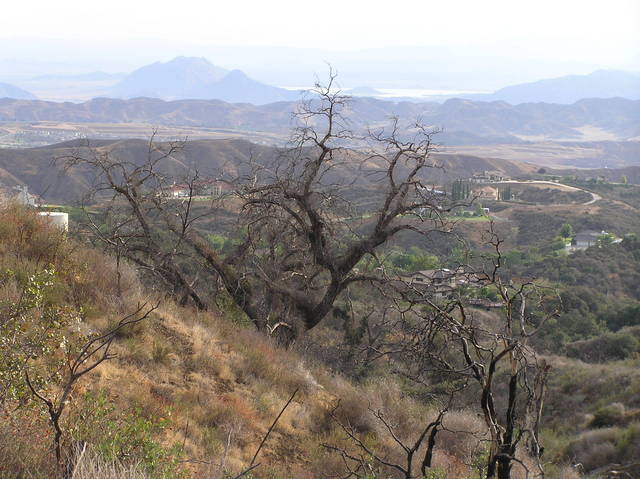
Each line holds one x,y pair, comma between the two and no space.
177,78
197,78
34,167
464,121
11,91
185,394
570,88
236,87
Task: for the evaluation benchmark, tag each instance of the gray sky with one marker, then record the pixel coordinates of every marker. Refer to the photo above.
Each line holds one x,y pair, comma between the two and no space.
582,34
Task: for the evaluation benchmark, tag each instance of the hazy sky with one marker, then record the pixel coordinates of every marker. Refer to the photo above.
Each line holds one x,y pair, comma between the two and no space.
594,33
611,25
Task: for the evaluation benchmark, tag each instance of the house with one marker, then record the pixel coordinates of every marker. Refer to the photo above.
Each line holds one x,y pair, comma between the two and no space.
56,218
431,276
485,303
212,187
432,191
177,191
586,239
440,282
197,188
487,177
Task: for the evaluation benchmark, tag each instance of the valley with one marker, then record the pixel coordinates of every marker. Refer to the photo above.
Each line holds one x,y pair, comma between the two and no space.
426,266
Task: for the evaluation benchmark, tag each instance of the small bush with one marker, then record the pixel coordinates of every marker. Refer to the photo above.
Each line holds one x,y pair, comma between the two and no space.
160,353
121,435
607,416
595,448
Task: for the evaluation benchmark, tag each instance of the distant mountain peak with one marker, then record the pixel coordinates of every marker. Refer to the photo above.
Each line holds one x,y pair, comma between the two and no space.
236,74
197,78
570,88
173,79
11,91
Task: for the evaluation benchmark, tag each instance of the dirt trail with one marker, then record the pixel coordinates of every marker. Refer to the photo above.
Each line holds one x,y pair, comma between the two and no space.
594,196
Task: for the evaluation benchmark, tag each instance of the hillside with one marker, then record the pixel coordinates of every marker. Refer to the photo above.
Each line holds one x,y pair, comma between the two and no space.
192,394
630,174
35,167
463,121
569,89
236,87
188,394
197,78
10,91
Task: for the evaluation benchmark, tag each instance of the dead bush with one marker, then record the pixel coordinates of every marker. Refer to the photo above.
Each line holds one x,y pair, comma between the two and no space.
594,448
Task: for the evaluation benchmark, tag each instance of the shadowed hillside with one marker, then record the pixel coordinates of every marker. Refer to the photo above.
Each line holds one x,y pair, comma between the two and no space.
187,393
464,121
37,168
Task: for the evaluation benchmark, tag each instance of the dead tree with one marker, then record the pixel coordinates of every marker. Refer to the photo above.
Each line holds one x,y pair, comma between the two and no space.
303,239
128,225
446,338
363,462
78,363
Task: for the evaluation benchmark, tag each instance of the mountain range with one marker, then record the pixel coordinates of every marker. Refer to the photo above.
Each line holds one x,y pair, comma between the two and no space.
11,91
197,78
463,121
569,89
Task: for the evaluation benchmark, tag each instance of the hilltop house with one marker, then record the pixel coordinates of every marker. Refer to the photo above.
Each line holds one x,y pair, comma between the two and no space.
487,177
177,191
588,238
585,239
440,282
198,188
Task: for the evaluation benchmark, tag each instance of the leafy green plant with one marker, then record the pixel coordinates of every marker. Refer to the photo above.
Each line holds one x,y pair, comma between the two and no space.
435,473
32,330
127,435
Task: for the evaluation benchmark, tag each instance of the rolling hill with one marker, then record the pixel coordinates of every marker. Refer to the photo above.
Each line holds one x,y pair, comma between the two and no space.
36,168
463,121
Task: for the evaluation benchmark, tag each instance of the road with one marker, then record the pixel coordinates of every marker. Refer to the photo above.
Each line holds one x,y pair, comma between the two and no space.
594,196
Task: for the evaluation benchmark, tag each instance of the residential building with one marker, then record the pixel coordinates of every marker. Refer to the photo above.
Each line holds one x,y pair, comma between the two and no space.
585,239
441,282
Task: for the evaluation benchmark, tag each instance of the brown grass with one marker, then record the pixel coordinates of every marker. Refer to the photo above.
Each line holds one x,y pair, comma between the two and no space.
219,383
92,466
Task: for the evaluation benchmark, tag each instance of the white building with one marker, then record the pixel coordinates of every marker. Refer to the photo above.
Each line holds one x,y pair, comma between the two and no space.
56,218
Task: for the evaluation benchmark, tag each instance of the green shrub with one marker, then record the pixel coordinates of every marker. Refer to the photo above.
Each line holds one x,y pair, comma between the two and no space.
607,416
126,436
435,473
606,347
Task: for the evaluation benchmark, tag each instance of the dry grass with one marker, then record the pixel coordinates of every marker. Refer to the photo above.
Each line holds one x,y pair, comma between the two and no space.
220,384
25,450
92,466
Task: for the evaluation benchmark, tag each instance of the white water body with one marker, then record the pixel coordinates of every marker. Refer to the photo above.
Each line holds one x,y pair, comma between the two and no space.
400,92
